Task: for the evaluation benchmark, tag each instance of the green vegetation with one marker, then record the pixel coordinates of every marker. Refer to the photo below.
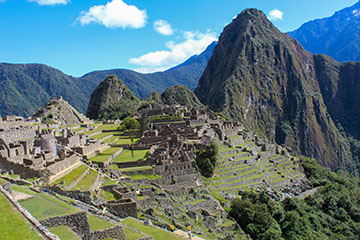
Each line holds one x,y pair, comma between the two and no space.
64,233
112,100
87,181
332,213
131,234
206,160
126,156
131,169
155,232
127,140
97,223
105,155
102,135
181,95
163,118
42,206
72,176
145,176
129,123
13,225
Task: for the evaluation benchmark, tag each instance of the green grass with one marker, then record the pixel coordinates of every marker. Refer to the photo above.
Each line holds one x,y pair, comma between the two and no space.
108,196
171,122
87,181
64,233
145,176
131,234
14,176
109,127
126,156
102,135
72,176
22,189
13,225
155,233
42,206
97,223
111,139
131,169
102,157
126,140
78,129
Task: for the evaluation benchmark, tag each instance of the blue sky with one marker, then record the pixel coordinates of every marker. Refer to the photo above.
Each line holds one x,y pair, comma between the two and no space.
80,36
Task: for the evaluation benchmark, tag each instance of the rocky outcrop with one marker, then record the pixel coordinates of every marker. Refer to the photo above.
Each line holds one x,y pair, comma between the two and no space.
180,95
59,111
112,100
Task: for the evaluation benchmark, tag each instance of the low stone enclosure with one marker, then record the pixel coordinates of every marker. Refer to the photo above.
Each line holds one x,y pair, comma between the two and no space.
79,223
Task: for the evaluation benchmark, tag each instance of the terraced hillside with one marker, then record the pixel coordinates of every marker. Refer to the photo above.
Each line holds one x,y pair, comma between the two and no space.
245,163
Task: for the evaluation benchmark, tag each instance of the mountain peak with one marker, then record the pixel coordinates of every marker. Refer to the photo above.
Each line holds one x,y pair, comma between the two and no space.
264,79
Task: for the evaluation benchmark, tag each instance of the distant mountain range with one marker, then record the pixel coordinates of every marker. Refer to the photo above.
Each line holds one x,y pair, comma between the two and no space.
337,36
26,87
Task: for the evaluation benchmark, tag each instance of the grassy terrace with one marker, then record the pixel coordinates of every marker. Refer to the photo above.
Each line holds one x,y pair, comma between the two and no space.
127,140
72,176
131,234
97,223
13,225
132,169
102,157
102,135
106,127
111,139
126,156
87,181
64,233
42,206
145,176
154,232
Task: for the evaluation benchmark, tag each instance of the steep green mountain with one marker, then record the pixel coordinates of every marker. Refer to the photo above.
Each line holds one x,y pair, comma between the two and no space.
266,80
26,87
112,100
181,95
337,36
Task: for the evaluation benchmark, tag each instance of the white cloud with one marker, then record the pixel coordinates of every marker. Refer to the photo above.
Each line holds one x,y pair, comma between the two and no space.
194,43
163,27
114,14
275,14
50,2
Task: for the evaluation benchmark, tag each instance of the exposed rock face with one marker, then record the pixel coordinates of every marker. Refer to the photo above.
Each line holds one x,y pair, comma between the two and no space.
181,95
59,111
266,80
112,100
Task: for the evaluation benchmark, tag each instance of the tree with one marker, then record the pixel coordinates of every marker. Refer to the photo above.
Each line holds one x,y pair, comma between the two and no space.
129,123
206,160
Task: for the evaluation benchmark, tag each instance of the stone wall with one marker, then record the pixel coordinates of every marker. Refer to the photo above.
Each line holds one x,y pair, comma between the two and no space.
148,162
115,232
122,208
63,164
17,133
83,196
44,231
20,169
78,222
